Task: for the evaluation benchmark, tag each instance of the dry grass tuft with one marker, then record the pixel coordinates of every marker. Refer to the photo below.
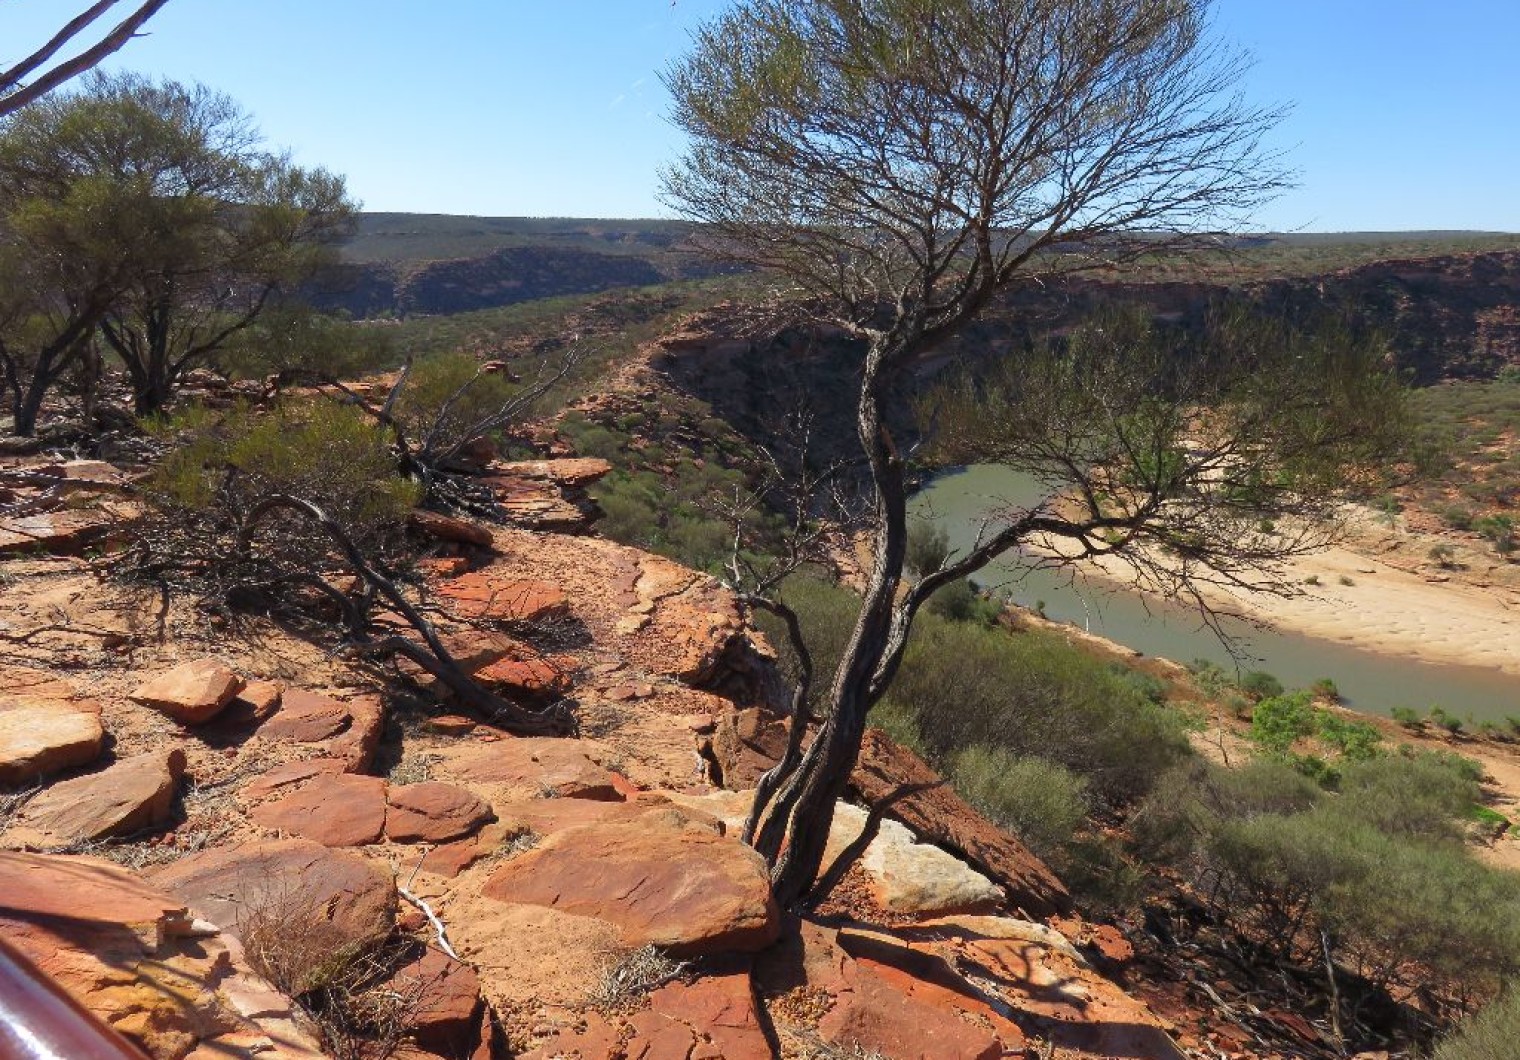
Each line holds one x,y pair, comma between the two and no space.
629,975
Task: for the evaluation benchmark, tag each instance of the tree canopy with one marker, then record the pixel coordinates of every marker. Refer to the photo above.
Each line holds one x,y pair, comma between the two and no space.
151,212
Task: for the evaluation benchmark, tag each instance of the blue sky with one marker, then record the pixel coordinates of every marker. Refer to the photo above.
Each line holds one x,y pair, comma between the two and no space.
1405,111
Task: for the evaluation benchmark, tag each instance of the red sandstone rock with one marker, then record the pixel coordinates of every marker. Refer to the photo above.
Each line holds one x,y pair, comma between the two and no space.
116,945
599,1040
333,889
36,742
568,471
287,774
256,703
746,743
720,1011
545,817
66,532
336,810
432,813
450,725
129,796
887,771
443,566
443,1002
527,673
535,766
191,693
662,878
906,1019
450,859
448,528
496,595
348,730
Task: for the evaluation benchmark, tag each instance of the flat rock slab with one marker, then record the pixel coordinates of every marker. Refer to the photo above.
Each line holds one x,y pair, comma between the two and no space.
126,797
235,886
119,947
533,766
525,672
191,693
344,729
336,810
23,688
448,528
913,877
718,1012
62,533
36,742
433,812
545,817
662,878
287,775
497,595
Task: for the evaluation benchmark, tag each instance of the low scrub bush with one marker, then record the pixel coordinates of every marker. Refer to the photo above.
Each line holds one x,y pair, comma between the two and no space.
1491,1034
1258,684
1040,802
1034,695
1378,870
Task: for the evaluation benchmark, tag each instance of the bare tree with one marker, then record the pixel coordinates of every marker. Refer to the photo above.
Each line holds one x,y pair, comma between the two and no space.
904,161
44,69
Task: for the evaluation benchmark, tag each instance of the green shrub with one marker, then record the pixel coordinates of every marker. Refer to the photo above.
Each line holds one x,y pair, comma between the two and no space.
1355,740
1408,717
960,602
1148,685
1258,684
1040,802
1441,554
1034,695
1420,794
1325,688
1441,718
444,397
1280,721
928,547
331,455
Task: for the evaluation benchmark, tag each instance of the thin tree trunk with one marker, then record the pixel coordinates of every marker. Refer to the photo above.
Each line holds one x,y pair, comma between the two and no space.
806,803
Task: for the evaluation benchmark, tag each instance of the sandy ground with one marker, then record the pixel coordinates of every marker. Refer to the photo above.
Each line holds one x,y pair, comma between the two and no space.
1379,590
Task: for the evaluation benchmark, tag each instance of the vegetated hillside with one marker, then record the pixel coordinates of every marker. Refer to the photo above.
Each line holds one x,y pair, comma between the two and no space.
410,264
1448,317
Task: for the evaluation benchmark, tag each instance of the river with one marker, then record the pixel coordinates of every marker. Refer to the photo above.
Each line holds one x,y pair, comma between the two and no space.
1373,682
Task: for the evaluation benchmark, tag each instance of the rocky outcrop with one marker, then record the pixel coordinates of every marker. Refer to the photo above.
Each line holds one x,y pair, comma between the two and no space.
129,796
531,766
548,495
443,1003
500,597
666,879
67,532
347,730
133,956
